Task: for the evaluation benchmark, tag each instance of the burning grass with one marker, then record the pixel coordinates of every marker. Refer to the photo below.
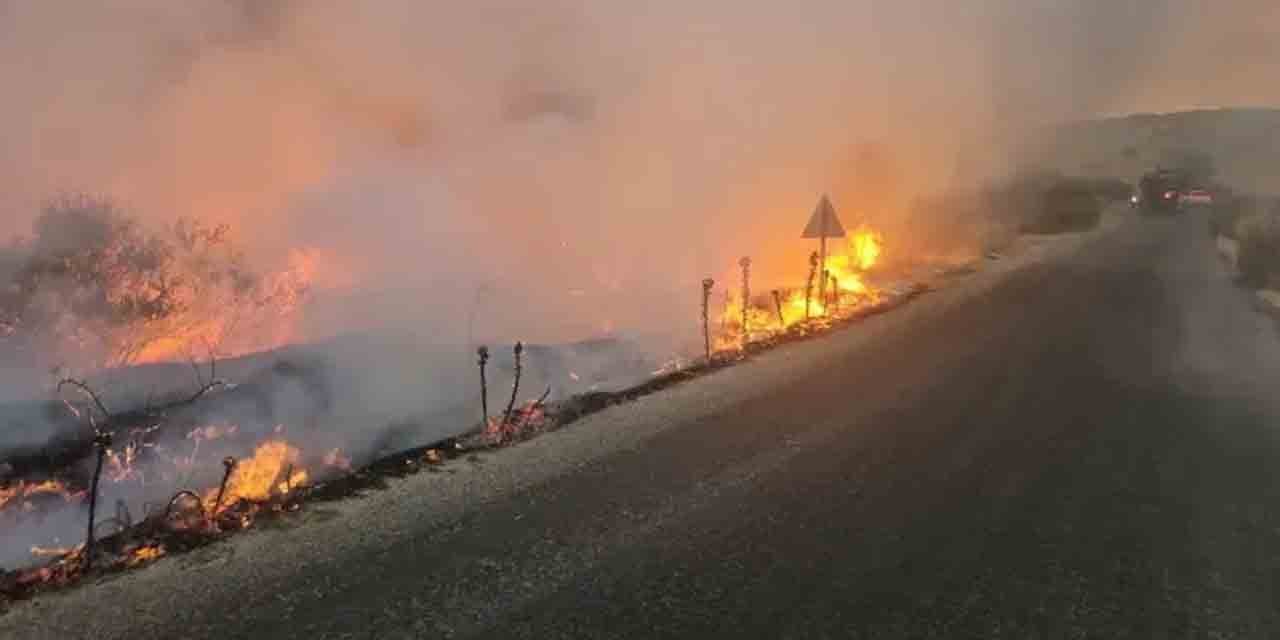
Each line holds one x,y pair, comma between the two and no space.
265,485
843,291
22,495
277,478
274,468
521,424
264,482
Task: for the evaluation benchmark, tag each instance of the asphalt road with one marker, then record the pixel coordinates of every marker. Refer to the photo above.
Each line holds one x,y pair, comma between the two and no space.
1079,444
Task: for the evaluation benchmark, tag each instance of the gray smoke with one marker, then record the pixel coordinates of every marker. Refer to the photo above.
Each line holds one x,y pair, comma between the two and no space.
501,170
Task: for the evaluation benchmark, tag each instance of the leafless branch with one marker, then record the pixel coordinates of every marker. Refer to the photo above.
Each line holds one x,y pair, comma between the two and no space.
199,393
213,364
204,388
168,510
85,389
543,398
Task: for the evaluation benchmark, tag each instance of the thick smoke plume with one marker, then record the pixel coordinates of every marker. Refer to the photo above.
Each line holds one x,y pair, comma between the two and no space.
568,150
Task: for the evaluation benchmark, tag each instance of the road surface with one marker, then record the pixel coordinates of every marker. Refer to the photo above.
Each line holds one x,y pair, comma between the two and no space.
1079,443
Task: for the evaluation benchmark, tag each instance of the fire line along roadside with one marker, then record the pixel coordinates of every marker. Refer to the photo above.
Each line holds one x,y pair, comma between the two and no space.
275,481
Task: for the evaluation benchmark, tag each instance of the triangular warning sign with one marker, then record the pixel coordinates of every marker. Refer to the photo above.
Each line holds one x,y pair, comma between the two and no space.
824,223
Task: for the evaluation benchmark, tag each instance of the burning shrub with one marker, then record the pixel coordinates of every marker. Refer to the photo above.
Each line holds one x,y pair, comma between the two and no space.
93,288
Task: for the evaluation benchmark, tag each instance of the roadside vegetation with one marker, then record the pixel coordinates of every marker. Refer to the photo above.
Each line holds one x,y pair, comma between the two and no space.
92,288
1049,203
1231,152
990,217
1236,147
1231,209
1254,223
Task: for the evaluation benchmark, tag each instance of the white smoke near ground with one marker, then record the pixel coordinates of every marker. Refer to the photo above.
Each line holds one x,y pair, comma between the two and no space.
498,170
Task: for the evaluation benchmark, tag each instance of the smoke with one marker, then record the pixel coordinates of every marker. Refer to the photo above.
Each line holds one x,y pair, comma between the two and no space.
575,146
495,170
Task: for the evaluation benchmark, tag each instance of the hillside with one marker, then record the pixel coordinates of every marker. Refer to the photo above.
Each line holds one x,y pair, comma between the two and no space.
1243,143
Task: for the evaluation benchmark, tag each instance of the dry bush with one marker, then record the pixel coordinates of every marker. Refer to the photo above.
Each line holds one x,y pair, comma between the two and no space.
1230,209
1048,202
990,216
1259,251
1066,206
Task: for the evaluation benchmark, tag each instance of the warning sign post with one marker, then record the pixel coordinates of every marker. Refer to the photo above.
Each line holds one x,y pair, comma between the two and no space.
823,224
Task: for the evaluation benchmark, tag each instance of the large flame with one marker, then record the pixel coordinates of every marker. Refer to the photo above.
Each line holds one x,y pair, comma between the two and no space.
274,468
865,245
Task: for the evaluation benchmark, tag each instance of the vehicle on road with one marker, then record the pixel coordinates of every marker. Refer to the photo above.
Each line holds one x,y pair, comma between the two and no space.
1196,198
1160,191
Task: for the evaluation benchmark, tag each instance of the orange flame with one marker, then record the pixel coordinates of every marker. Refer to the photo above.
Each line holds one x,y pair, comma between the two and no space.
121,464
766,317
22,491
144,554
51,552
236,323
865,246
272,469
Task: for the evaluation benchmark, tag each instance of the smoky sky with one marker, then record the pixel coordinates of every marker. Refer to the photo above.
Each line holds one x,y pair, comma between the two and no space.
1054,60
497,170
543,150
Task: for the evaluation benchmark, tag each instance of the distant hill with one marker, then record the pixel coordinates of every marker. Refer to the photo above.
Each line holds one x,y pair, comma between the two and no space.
1243,143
